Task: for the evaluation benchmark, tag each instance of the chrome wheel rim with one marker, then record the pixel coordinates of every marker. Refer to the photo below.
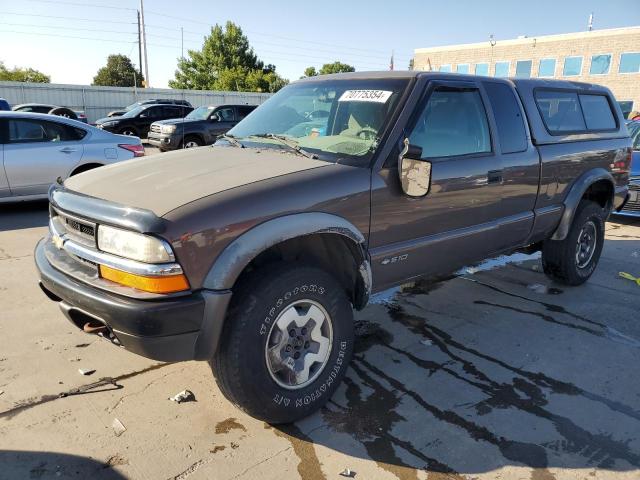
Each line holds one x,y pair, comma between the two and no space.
299,344
586,246
128,133
191,144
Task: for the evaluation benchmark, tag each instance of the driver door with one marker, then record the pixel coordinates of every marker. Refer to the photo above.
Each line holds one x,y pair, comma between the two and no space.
447,227
221,121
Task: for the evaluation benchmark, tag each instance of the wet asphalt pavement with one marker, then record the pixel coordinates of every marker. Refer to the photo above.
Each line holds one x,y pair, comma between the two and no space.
490,373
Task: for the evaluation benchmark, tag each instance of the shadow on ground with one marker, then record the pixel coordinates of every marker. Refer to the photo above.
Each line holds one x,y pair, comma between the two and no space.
28,464
17,216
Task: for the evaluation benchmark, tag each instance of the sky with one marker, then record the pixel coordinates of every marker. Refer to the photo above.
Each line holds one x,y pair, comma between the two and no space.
71,39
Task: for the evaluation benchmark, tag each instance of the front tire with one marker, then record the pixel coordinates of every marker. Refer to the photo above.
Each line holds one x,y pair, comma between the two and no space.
286,343
573,260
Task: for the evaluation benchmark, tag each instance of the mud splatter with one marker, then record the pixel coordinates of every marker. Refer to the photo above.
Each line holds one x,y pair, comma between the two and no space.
229,424
217,448
309,466
542,474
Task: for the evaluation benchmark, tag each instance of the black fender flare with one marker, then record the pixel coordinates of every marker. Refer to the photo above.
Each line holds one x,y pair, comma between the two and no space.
576,192
241,251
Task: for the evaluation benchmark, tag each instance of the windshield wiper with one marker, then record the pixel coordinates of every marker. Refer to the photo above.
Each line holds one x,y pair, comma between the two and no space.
292,144
231,139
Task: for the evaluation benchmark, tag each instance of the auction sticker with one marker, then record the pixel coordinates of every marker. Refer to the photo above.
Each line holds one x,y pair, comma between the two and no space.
378,96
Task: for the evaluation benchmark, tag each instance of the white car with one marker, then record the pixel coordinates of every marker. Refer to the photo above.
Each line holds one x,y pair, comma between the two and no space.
37,149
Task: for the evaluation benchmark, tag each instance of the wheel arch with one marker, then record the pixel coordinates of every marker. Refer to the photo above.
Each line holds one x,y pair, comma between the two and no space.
326,240
597,185
85,167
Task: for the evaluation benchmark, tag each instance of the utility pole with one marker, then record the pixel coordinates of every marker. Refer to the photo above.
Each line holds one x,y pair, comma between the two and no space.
144,40
591,21
139,43
182,42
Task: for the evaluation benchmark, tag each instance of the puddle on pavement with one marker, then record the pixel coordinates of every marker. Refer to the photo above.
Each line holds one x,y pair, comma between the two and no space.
229,424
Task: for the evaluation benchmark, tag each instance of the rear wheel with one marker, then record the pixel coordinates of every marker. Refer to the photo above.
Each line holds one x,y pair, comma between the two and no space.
573,260
128,131
287,340
63,112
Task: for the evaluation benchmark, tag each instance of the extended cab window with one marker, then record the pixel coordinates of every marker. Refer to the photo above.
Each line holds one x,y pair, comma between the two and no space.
560,111
513,136
453,122
597,112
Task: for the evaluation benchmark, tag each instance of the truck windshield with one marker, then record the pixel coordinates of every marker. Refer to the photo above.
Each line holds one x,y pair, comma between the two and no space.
329,118
200,113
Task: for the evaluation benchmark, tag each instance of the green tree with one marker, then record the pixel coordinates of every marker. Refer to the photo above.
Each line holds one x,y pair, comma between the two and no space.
226,62
327,68
23,75
336,67
118,72
310,72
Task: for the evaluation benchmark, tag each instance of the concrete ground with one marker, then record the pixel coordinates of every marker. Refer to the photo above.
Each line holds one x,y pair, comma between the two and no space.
490,374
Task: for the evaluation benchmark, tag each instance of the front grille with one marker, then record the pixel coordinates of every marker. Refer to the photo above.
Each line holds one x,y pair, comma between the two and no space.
156,128
81,230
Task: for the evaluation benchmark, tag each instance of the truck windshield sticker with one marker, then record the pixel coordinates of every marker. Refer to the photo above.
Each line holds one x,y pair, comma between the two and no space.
378,96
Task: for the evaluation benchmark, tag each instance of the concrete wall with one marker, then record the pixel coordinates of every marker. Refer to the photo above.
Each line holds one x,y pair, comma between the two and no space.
97,101
586,44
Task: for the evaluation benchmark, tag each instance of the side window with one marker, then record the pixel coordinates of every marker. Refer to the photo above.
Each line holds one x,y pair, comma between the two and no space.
513,136
172,112
597,112
58,132
26,131
225,114
244,111
560,111
453,122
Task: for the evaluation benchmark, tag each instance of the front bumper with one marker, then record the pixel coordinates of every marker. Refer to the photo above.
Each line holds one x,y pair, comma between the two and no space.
173,329
631,206
164,141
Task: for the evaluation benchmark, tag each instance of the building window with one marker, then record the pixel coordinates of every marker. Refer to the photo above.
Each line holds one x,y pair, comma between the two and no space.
445,68
482,69
630,63
547,67
572,67
462,68
523,68
502,69
600,64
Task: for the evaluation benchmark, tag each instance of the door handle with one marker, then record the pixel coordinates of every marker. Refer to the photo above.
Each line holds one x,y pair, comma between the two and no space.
494,176
68,150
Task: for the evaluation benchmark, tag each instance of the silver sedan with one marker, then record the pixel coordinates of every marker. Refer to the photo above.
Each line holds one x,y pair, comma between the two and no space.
36,149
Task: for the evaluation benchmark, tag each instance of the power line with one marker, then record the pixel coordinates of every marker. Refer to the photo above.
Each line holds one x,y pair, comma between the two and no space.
67,36
66,28
67,18
77,4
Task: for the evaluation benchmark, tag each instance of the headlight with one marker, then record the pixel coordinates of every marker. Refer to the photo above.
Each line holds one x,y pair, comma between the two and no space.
135,246
108,124
168,128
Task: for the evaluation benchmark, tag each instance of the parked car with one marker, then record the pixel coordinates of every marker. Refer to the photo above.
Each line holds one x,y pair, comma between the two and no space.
632,207
51,110
136,122
37,149
250,254
201,127
153,101
4,105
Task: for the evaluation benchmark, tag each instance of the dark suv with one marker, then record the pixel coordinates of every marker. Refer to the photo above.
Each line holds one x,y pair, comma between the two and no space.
252,254
201,127
137,121
152,101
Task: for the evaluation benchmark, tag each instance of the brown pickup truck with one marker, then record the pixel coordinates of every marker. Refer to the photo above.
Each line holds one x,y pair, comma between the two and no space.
252,253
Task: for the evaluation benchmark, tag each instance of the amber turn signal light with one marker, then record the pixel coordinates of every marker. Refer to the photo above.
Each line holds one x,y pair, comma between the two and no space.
165,284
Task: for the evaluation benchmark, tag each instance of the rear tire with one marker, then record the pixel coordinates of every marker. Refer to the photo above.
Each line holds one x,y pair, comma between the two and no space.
573,260
63,112
286,343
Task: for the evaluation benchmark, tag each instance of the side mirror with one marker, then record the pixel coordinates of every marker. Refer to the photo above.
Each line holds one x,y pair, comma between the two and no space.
415,173
214,118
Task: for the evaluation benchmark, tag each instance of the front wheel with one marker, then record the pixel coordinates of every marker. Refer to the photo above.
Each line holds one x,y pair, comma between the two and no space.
573,260
287,340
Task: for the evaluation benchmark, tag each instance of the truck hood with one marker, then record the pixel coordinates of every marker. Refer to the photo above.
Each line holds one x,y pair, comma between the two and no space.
178,121
166,181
